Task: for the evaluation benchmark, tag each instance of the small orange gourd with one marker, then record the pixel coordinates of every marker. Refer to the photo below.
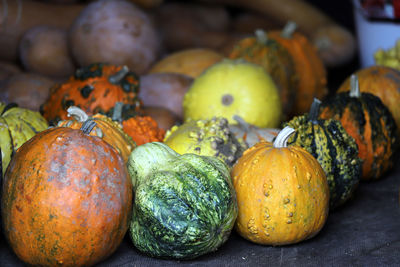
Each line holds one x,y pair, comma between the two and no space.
107,129
282,193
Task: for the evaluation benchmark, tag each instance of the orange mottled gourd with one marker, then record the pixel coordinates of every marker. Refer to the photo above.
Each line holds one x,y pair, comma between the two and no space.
66,199
308,64
282,193
95,89
275,59
370,123
107,129
383,82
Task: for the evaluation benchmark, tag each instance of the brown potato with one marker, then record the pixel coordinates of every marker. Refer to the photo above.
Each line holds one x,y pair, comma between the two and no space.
28,90
44,50
115,32
164,90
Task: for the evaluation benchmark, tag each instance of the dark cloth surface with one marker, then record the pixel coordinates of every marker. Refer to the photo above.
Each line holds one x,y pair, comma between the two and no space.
363,232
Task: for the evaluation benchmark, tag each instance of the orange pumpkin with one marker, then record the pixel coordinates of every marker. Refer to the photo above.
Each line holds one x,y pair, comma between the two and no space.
95,89
66,199
308,65
142,129
381,81
275,59
370,123
282,193
107,129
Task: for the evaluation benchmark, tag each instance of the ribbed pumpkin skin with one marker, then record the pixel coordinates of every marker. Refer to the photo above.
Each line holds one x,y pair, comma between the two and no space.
17,125
334,149
383,82
66,199
309,67
91,90
276,60
110,131
282,194
371,125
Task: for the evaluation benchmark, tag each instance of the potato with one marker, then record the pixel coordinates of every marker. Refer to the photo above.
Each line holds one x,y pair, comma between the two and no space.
164,117
164,90
44,50
28,90
115,32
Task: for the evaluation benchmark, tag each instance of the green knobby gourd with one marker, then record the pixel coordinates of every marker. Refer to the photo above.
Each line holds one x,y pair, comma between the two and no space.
335,150
185,205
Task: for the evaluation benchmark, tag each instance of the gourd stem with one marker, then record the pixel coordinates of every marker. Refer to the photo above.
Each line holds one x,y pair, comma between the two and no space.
289,29
314,110
354,86
261,36
9,106
88,126
242,122
117,77
117,112
77,113
283,136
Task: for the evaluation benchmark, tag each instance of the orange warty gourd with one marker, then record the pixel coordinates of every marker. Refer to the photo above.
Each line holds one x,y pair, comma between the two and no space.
66,198
95,89
383,82
275,59
309,67
107,129
282,193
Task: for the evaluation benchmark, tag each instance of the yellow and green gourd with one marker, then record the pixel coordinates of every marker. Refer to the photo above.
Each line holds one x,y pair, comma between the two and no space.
335,150
211,137
17,125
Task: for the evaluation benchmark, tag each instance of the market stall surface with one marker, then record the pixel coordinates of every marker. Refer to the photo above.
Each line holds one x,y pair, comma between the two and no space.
365,231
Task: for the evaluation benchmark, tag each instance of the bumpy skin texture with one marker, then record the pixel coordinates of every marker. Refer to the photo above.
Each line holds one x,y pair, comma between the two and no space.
282,194
206,137
143,129
95,89
276,60
107,129
185,205
66,199
17,125
371,125
334,149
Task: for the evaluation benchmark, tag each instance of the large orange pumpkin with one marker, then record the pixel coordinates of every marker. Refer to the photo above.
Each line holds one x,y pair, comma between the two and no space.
381,81
282,193
95,89
66,199
308,65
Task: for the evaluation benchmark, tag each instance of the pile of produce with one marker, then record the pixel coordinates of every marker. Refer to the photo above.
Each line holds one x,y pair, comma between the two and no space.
116,122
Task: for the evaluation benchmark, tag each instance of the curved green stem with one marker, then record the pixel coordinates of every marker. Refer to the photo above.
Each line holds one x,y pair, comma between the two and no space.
354,86
289,29
283,136
77,113
117,77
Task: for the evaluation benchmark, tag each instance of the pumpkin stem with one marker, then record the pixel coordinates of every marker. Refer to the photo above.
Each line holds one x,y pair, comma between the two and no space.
9,106
314,110
283,136
289,29
354,86
117,112
77,113
261,36
117,77
88,126
241,122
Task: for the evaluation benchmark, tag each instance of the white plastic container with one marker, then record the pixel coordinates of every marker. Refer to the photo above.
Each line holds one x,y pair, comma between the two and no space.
373,34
